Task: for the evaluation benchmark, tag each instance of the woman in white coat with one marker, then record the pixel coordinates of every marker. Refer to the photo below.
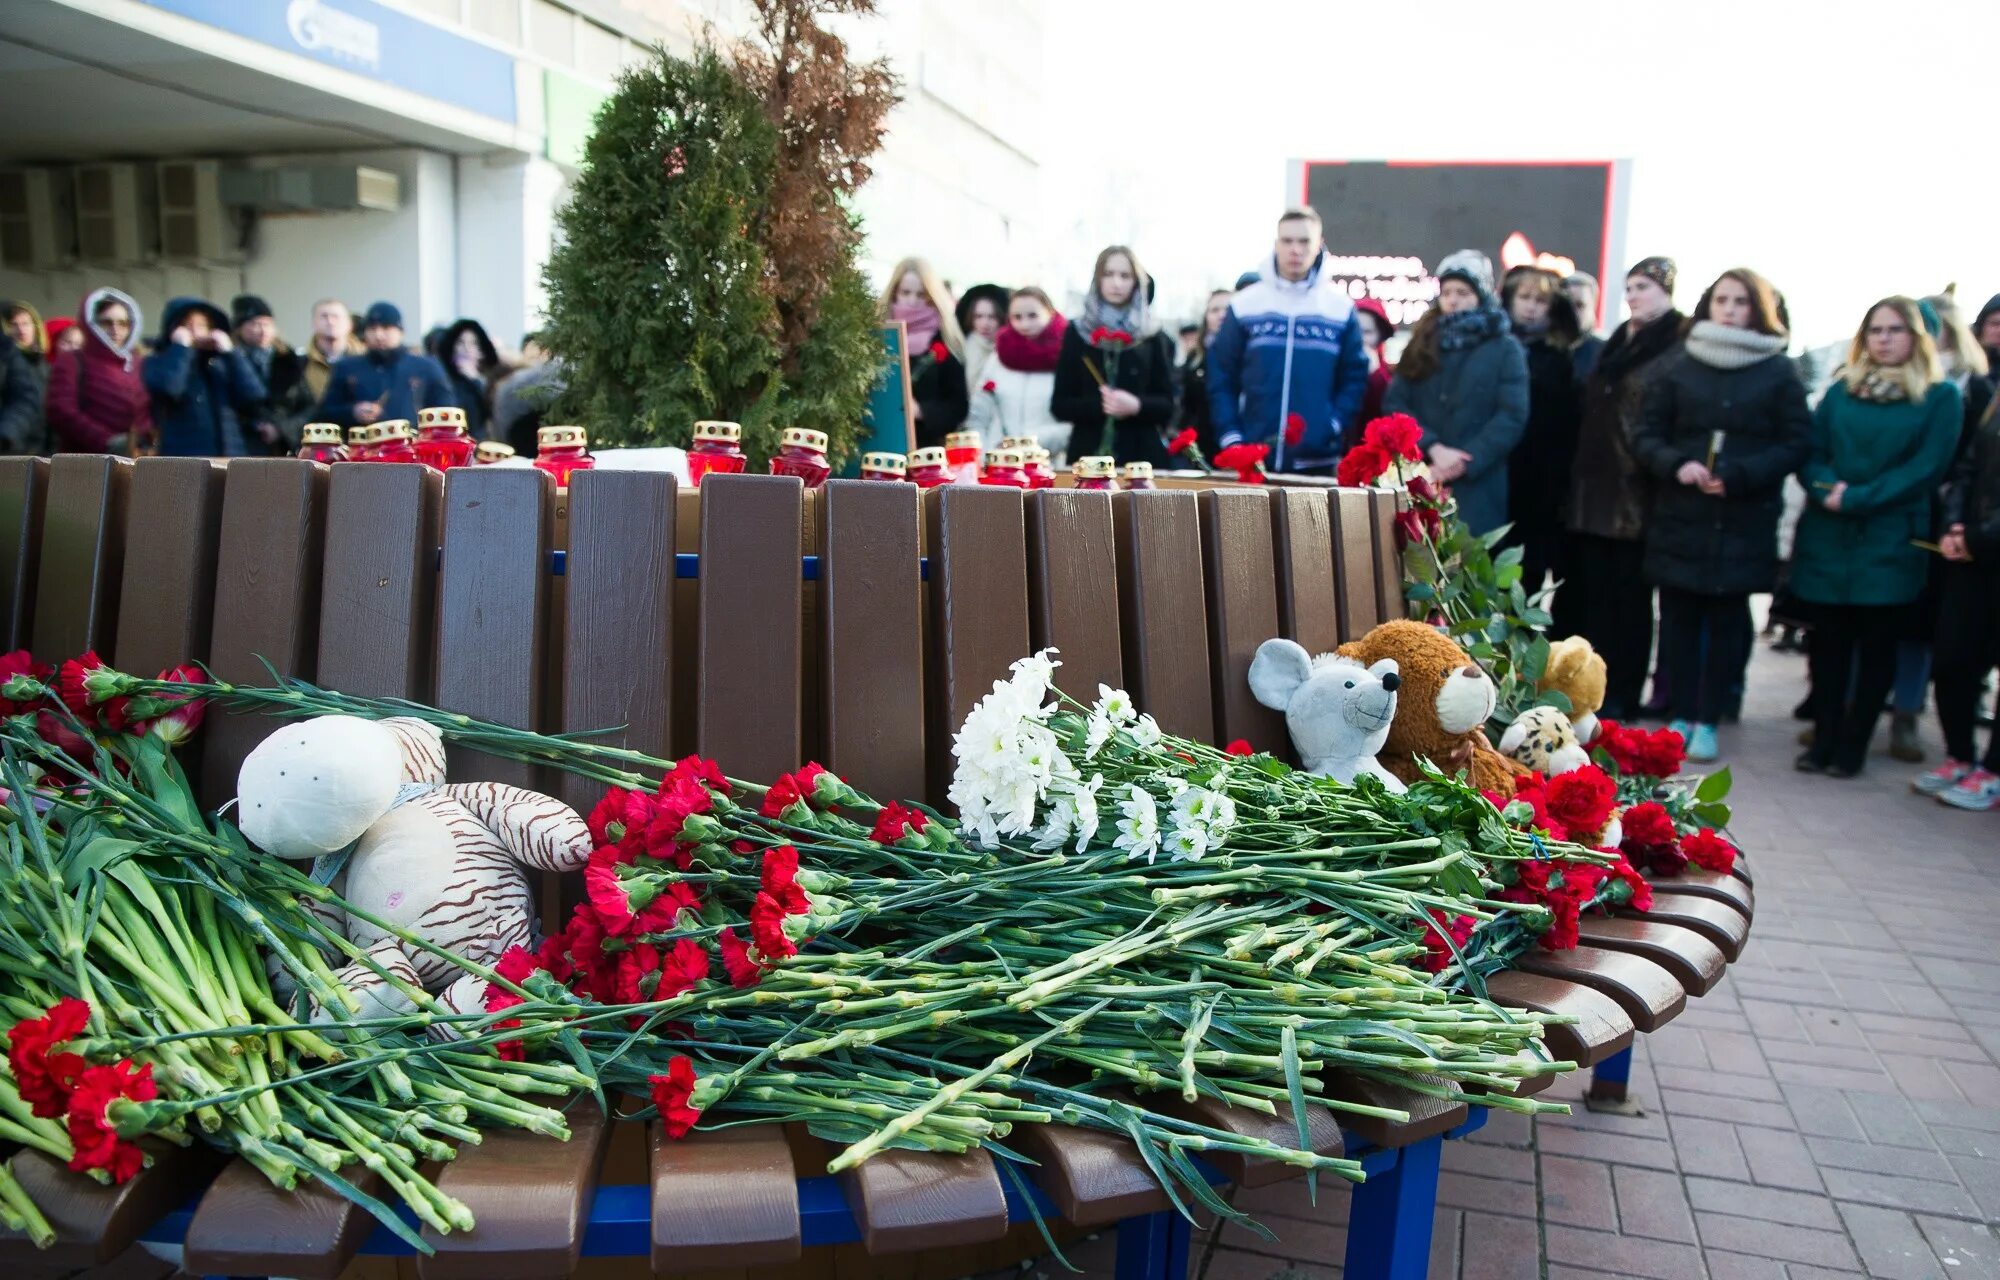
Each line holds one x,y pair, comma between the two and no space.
1012,395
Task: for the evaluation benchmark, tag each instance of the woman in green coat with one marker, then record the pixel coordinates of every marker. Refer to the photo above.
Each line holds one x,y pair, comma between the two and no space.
1882,441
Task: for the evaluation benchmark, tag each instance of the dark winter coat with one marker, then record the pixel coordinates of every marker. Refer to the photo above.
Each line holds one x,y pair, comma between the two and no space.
96,395
474,395
1145,369
1194,410
401,381
1538,473
204,402
1609,492
288,401
521,402
1476,400
1584,356
1724,545
1972,498
937,384
20,400
1891,457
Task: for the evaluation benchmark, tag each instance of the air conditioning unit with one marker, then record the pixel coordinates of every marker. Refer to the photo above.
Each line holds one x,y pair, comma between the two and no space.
312,189
113,205
33,236
194,225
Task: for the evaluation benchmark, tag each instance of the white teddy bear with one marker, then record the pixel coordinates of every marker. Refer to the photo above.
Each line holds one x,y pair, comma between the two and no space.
445,861
1337,710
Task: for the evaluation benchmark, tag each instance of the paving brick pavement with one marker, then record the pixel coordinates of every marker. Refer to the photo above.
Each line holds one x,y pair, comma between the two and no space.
1831,1109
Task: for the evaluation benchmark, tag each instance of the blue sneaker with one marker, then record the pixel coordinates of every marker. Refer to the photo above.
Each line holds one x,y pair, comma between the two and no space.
1681,727
1702,746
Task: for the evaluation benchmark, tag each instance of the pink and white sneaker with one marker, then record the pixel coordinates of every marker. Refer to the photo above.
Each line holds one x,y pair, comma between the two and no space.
1978,791
1935,782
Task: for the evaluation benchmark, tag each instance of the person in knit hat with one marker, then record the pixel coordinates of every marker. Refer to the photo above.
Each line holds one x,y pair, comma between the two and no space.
1464,379
387,381
1986,330
274,424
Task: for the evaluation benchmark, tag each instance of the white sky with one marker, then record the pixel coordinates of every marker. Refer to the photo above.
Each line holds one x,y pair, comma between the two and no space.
1848,150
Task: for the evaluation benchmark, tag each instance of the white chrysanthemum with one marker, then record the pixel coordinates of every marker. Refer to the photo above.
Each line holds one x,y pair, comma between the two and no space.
1114,705
1097,732
1056,828
1084,799
1187,841
1139,829
1145,731
1037,672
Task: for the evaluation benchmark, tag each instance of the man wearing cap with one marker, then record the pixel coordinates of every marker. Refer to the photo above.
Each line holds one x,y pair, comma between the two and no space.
385,382
287,402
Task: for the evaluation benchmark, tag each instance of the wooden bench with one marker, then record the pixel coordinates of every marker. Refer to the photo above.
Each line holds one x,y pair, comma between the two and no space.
763,625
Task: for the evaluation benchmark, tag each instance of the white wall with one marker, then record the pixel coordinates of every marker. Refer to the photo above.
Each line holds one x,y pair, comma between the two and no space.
505,227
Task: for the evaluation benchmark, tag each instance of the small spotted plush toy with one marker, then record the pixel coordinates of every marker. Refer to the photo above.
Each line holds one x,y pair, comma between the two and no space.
1542,739
445,861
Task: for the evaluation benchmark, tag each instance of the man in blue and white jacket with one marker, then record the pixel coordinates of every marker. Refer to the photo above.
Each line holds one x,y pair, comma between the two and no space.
1290,345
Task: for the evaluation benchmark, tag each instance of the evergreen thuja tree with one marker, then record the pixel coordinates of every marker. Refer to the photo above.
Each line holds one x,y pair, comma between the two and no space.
659,301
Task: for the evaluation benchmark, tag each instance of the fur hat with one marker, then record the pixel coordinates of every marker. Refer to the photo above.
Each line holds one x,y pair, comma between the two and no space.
1471,266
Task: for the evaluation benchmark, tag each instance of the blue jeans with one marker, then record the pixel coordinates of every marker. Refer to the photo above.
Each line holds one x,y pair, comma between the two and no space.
1913,675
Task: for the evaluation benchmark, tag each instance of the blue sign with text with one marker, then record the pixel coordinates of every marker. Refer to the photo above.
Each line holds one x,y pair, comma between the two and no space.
370,40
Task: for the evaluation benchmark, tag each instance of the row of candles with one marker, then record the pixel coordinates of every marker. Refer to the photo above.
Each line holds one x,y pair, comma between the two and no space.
440,441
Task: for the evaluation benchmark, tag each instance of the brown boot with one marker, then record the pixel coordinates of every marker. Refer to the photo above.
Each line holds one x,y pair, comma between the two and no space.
1904,744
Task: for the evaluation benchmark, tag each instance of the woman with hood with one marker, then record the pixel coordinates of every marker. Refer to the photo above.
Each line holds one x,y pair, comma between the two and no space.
474,367
981,312
934,346
205,392
1465,380
1020,376
97,401
1115,377
1721,427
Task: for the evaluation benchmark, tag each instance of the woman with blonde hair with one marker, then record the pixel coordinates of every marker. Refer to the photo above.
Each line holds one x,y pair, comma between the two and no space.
1882,439
917,297
1720,428
1115,376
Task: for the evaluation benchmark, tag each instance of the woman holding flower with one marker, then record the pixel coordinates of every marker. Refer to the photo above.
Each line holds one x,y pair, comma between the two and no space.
1114,381
918,298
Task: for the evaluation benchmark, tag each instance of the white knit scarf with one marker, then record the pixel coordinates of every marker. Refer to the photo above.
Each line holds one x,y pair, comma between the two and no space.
1721,347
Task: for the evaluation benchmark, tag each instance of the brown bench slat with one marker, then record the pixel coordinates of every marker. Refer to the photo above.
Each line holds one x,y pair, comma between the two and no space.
1699,882
1093,1177
1160,589
871,637
749,705
1322,1126
378,592
724,1198
530,1199
83,554
1073,587
244,1226
1302,539
1354,563
173,520
493,599
618,621
910,1200
1429,1116
1650,995
1601,1028
1719,922
1389,602
1695,962
977,543
95,1223
1239,567
267,581
24,486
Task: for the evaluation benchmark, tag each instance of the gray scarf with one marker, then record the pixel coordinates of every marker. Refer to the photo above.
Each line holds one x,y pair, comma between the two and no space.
1721,347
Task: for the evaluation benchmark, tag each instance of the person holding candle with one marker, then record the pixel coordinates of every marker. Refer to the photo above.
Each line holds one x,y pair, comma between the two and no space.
1017,381
1881,440
1114,379
1721,427
935,347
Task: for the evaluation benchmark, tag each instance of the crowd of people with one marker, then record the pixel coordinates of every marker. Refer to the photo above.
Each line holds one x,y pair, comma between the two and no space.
216,383
1656,479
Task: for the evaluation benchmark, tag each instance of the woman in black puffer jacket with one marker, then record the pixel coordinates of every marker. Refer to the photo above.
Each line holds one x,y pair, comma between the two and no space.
1966,639
1721,428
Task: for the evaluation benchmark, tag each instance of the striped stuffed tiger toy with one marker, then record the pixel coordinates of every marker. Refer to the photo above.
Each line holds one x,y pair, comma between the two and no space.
445,861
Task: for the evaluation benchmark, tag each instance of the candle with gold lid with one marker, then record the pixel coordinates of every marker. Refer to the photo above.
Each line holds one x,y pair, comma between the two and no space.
492,451
1095,472
560,450
927,468
802,453
392,441
320,442
718,446
1003,468
1138,475
442,441
884,466
361,443
1035,465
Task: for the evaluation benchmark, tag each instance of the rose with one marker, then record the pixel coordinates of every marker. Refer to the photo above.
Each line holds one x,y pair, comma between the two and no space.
939,352
1295,428
1363,465
1397,434
1183,440
1246,460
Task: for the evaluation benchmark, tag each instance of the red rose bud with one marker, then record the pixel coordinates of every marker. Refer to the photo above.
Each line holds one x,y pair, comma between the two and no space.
989,385
1295,428
1240,747
939,351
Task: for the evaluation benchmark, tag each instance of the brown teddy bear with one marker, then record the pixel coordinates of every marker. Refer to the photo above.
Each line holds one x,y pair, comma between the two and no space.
1441,707
1575,669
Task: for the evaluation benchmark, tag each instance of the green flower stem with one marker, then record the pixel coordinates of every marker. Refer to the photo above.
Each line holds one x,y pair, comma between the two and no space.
19,1213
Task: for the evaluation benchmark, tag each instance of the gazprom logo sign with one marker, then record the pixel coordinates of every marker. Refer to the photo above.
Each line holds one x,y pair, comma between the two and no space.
320,28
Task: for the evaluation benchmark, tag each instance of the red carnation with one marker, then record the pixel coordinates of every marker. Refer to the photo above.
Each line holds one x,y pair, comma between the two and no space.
88,688
1581,799
767,928
1709,851
1240,747
1638,893
175,716
602,888
1647,825
21,663
808,781
1362,465
895,821
704,771
91,1131
1437,952
1098,335
43,1078
552,957
613,815
784,793
939,351
1246,460
1295,428
1397,434
1183,440
672,1093
781,879
685,966
736,961
989,385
